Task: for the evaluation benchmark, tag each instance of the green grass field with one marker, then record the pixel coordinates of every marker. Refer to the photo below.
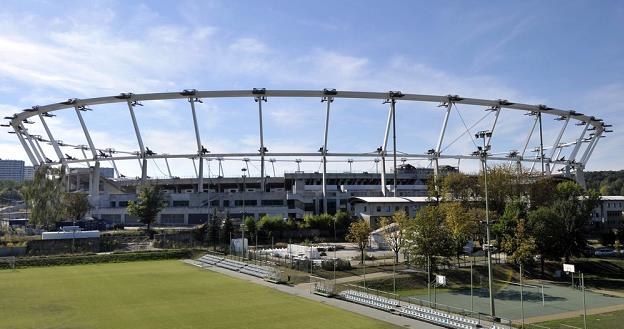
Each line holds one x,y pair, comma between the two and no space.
157,294
611,320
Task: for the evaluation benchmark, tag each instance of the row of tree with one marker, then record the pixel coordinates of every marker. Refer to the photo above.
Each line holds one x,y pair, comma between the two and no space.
533,217
606,182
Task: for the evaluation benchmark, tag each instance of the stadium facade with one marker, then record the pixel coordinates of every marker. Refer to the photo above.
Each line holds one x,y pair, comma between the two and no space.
292,196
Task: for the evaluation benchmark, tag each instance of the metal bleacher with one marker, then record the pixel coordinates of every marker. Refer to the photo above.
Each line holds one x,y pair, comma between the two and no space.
444,319
250,269
359,297
439,317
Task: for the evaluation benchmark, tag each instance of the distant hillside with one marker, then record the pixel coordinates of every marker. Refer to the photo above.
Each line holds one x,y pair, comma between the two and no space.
607,182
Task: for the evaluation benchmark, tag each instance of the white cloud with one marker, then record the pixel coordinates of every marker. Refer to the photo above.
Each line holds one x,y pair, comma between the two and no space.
249,45
54,61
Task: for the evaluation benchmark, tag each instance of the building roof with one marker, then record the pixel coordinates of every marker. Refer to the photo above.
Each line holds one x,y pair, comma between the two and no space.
612,198
391,199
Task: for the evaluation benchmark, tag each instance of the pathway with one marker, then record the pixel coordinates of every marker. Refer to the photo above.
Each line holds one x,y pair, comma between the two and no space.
348,306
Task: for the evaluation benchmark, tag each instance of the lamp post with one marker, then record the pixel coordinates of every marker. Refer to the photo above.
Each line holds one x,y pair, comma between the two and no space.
243,240
243,170
482,153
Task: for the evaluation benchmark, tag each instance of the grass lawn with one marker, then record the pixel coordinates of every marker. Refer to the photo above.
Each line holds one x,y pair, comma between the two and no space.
613,320
156,294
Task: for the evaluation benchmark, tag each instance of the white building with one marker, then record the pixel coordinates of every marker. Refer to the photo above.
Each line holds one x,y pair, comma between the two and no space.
609,213
372,209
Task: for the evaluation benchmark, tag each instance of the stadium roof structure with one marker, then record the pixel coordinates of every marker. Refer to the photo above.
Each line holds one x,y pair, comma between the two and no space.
593,129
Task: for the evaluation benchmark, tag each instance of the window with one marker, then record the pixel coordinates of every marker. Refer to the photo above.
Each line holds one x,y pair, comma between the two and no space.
378,208
123,203
239,203
112,204
180,203
226,203
172,218
272,202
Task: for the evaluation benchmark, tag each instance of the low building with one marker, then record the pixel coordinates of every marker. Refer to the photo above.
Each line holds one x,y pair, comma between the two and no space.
372,209
610,213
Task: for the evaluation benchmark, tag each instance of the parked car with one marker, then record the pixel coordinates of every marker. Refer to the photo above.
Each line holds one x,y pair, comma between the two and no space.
605,252
589,251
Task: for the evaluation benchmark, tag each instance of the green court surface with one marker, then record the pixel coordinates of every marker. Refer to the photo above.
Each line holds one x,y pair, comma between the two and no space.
156,294
557,299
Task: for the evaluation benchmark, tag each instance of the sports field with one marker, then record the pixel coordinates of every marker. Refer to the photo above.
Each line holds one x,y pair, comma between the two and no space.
155,294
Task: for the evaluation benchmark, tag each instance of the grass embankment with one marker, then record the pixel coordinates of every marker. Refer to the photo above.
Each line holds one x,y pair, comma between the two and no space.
154,295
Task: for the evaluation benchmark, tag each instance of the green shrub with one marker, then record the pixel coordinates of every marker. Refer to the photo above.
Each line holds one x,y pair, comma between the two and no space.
120,257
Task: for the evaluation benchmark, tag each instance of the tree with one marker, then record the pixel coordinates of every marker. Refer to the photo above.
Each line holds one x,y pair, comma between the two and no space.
574,207
620,235
548,231
250,226
319,222
520,245
460,225
541,192
226,230
608,238
44,195
393,231
10,192
76,205
504,183
508,221
149,202
459,187
343,220
213,231
359,232
271,224
428,236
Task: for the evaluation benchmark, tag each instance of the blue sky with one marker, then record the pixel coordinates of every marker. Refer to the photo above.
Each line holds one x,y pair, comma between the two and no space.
566,54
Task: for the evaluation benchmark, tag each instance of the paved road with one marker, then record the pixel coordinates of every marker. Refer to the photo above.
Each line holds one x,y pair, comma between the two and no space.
351,307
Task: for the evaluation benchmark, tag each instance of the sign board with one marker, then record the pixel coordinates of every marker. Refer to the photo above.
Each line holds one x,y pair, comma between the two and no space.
441,280
568,268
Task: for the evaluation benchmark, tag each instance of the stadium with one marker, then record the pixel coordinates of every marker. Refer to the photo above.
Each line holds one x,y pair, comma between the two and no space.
110,173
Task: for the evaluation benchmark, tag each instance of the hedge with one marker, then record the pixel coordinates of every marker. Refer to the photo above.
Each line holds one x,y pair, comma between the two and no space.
22,262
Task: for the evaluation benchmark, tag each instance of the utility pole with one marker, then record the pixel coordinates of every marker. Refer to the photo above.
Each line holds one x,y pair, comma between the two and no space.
483,152
521,296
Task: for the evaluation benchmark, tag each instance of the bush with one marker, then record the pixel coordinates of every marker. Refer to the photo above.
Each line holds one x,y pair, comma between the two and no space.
121,257
341,264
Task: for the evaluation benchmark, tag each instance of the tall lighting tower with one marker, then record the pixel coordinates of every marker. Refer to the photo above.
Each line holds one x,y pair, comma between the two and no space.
482,152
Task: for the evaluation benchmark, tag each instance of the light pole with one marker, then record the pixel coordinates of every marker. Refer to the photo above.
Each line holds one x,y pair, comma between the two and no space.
243,240
244,170
521,296
482,153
